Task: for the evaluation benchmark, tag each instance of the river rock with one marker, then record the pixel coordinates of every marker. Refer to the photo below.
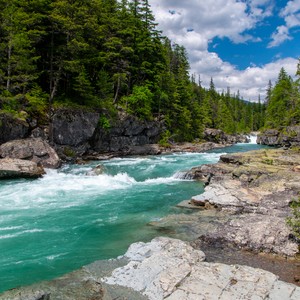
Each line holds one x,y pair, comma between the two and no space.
170,269
12,128
19,168
34,149
98,170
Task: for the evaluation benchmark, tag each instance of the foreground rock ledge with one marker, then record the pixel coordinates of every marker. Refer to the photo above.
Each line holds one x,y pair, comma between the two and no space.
164,268
171,269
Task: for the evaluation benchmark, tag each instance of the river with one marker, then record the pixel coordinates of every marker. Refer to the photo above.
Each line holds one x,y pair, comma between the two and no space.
67,219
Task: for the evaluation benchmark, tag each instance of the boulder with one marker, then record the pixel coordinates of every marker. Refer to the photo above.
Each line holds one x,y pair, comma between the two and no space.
98,170
12,128
34,149
19,168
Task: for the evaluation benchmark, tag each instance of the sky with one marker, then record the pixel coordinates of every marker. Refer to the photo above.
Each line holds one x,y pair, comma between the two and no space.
241,44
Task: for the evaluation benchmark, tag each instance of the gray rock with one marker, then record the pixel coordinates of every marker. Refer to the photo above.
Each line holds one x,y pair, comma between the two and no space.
219,136
170,269
288,136
73,127
34,149
98,170
12,128
126,133
19,168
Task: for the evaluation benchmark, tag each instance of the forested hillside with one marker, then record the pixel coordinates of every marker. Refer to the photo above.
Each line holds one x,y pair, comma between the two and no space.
109,55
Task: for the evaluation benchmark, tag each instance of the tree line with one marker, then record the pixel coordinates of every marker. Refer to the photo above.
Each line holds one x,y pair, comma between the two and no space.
107,55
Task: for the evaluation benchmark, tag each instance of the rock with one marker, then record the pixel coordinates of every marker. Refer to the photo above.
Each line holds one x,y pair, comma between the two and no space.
127,135
257,186
12,128
156,268
287,137
34,149
98,170
219,136
170,269
73,127
19,168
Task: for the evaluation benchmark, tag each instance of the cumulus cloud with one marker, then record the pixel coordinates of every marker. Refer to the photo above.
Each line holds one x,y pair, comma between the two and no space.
291,15
196,24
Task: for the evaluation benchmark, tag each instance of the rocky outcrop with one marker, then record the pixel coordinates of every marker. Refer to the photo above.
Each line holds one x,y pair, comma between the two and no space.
126,134
257,188
170,269
73,127
34,149
219,136
12,128
287,137
19,168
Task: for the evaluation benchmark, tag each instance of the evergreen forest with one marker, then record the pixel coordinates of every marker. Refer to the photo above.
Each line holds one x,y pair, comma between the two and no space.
108,55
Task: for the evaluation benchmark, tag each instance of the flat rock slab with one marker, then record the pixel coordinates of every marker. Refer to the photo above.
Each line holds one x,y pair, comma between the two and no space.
171,269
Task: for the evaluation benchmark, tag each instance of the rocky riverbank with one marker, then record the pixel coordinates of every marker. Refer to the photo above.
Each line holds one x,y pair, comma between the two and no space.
256,188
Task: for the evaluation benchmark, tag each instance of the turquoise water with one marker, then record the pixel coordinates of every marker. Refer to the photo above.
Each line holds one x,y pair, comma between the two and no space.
56,224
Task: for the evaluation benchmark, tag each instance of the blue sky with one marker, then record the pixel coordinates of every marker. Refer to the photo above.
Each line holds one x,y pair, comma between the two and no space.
241,44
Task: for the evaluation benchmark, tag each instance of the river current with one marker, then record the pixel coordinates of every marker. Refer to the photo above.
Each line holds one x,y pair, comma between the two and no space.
67,219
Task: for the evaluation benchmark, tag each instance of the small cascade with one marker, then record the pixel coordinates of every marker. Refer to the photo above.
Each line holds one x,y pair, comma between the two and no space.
253,139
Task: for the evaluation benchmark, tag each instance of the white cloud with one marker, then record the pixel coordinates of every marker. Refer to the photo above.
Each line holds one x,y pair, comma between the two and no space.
221,18
291,15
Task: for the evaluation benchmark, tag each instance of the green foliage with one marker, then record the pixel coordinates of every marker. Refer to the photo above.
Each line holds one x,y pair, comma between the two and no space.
164,141
104,55
294,221
104,122
139,102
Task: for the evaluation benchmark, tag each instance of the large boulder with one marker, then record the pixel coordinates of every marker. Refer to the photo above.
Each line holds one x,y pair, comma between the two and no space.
19,168
34,149
12,128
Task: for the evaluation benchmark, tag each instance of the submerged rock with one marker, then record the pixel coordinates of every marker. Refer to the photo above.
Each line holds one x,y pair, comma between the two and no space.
34,149
19,168
98,170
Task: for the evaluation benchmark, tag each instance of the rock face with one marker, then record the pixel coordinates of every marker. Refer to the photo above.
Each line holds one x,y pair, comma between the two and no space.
170,269
257,187
126,135
19,168
288,137
218,136
73,127
11,128
34,149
